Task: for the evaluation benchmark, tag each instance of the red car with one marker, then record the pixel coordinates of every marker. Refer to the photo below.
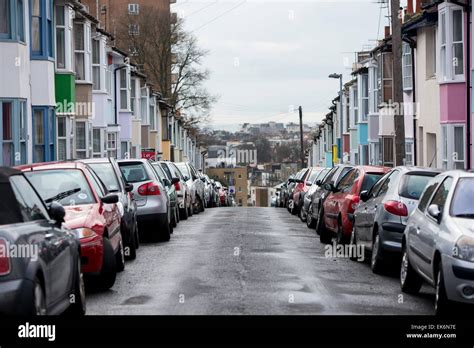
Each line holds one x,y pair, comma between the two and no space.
90,211
300,180
343,199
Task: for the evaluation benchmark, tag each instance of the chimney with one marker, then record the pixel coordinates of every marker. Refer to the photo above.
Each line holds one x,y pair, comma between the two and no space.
418,6
410,7
387,31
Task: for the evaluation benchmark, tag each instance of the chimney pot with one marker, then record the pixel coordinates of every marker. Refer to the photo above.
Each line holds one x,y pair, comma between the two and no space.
410,7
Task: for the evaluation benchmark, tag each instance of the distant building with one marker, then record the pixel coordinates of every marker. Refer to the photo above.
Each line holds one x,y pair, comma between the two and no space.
235,179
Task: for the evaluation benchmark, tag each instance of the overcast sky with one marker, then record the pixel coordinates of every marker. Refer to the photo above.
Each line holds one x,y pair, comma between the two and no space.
267,57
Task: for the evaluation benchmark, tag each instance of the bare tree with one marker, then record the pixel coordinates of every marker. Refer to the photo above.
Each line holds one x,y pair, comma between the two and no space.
171,59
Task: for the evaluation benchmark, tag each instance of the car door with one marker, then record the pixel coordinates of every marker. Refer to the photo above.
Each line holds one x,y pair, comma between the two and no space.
364,215
415,225
429,231
54,243
335,201
375,207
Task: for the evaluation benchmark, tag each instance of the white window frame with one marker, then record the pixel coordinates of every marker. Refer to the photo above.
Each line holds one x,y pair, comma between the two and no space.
373,90
409,151
449,156
112,150
86,140
446,66
67,28
144,105
125,88
86,51
407,72
152,113
353,106
133,9
133,29
363,114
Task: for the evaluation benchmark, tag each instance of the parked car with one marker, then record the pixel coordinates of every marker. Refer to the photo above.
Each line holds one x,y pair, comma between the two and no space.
196,185
214,194
343,199
314,215
300,186
438,243
182,190
109,173
381,217
284,196
90,210
208,192
222,194
153,203
41,281
169,182
312,177
314,184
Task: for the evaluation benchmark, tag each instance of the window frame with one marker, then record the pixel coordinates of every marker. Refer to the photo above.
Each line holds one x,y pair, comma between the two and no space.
448,138
16,30
407,66
49,133
46,33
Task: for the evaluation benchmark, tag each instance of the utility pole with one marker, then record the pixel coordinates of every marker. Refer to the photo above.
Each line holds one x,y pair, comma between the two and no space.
301,137
398,82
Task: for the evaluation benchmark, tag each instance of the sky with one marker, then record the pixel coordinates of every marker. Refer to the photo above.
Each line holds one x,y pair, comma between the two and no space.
268,57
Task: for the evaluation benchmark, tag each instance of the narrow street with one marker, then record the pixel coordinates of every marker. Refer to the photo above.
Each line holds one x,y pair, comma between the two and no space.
250,261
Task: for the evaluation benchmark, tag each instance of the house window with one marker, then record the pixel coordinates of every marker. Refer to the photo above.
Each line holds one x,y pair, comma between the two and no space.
62,138
409,153
112,145
407,67
41,28
44,134
373,90
133,29
385,81
7,134
124,89
431,52
108,79
23,134
124,154
81,140
96,141
82,51
60,37
387,151
364,96
133,9
144,105
451,42
152,113
96,61
454,140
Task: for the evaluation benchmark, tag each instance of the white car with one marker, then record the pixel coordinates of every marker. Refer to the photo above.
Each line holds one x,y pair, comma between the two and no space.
438,243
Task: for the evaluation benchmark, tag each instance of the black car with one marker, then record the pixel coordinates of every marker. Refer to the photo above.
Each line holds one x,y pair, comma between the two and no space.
109,173
40,267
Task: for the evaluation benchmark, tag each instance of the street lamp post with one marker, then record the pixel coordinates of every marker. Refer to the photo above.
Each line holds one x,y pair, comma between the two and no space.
340,139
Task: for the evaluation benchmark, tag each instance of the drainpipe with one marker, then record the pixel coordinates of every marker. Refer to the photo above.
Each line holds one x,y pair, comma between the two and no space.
115,91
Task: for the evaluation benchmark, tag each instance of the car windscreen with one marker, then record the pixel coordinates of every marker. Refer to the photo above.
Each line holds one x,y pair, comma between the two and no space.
322,174
412,185
167,170
369,180
134,172
461,205
314,175
184,169
9,210
106,174
159,171
69,187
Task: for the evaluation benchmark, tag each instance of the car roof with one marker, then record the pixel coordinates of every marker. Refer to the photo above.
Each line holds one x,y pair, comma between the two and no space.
52,165
417,169
6,173
95,160
459,173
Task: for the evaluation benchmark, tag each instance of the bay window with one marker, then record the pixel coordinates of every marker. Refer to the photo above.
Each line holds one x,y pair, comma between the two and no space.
451,42
82,51
124,89
385,81
12,23
96,62
112,145
373,91
41,29
364,96
81,139
453,149
13,132
44,134
63,37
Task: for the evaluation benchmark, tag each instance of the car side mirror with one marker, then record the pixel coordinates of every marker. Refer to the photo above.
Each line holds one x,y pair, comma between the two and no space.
110,199
186,178
291,180
330,187
57,212
434,212
364,196
166,182
174,180
128,187
318,182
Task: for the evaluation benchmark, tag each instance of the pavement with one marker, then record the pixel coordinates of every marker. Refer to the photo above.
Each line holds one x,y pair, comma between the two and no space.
250,261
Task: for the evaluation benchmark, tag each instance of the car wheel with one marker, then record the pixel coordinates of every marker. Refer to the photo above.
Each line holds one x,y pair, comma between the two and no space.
442,304
302,215
376,260
120,257
309,217
190,209
39,298
78,304
410,281
183,213
341,237
325,236
201,205
174,222
108,273
176,214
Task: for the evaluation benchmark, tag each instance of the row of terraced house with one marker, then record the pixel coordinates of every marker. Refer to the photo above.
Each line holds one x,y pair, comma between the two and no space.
67,92
437,95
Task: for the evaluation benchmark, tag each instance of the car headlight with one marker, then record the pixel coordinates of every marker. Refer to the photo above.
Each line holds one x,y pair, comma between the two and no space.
464,249
84,233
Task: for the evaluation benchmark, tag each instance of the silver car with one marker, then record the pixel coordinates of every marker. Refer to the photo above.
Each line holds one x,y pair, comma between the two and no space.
195,183
382,215
153,203
182,190
438,243
315,179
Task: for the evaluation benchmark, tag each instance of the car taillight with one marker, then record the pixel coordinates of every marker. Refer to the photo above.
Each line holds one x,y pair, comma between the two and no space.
396,208
4,259
355,200
177,186
149,189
